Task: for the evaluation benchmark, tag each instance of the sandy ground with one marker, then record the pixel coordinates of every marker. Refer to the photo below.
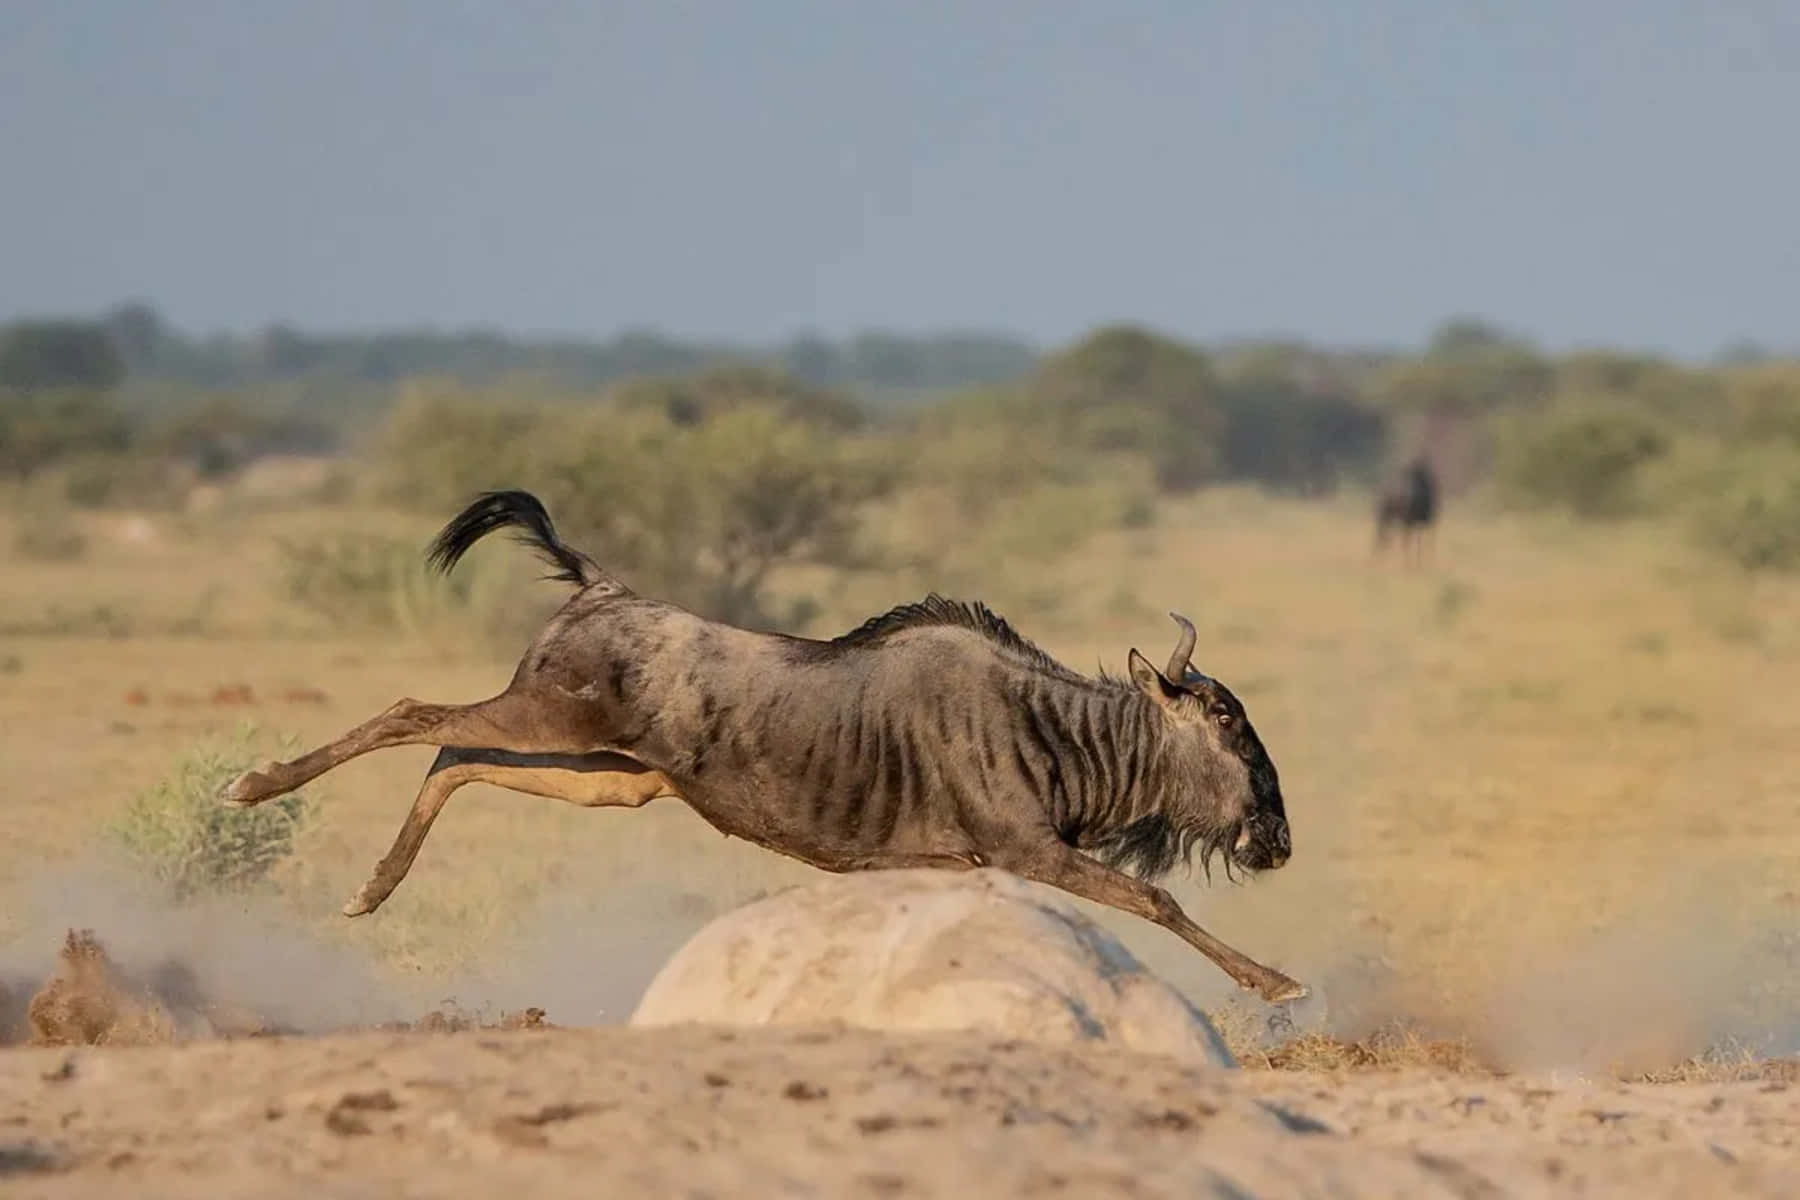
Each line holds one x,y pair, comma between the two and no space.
700,1112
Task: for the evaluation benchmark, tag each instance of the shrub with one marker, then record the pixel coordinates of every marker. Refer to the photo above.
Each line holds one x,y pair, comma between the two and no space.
437,448
179,834
1292,439
349,578
982,448
1754,519
38,355
39,429
377,581
1124,388
703,514
698,507
1586,461
122,480
1011,486
1764,400
707,395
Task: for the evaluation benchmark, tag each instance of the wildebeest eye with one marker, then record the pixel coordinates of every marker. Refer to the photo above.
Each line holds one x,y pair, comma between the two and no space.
1224,718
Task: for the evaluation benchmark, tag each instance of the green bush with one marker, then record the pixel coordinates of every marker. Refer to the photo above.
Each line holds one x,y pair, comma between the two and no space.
1754,518
1128,389
438,447
1012,485
699,507
703,514
981,448
708,395
1290,438
1682,395
40,429
1585,461
365,580
179,833
1764,402
121,479
352,578
46,355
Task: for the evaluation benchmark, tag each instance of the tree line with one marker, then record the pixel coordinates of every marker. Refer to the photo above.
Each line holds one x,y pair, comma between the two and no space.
1035,447
134,338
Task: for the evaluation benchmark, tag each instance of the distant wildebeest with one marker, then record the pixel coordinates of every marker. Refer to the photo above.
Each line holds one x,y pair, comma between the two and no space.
1411,504
933,735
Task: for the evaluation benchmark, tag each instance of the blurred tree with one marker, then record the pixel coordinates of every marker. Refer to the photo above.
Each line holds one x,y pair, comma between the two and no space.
39,429
707,395
40,355
1654,384
811,358
884,361
1462,337
1126,388
1742,353
138,332
890,361
1586,461
283,350
1762,401
699,511
1295,439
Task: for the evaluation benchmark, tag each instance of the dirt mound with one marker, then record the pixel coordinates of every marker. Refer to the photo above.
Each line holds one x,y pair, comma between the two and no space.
87,1002
927,950
91,1001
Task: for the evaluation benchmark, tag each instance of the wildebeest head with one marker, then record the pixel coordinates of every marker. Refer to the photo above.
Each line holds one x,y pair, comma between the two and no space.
1234,805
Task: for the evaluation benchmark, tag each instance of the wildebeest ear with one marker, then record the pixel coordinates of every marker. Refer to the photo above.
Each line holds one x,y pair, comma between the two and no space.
1150,681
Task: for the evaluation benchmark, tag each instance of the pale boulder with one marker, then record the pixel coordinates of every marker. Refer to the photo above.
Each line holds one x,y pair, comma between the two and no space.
927,950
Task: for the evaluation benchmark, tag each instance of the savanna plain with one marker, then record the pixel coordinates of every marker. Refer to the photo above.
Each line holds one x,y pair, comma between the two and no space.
1545,802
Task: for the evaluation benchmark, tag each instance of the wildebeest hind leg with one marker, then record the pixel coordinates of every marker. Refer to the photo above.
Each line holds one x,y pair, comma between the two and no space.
1062,866
515,720
590,780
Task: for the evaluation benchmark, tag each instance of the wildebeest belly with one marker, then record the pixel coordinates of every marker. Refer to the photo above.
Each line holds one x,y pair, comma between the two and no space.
851,823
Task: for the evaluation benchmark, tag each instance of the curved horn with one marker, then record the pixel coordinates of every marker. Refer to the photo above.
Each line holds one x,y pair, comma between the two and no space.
1184,649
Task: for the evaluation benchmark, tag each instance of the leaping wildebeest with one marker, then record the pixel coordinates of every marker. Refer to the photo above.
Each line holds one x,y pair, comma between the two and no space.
933,735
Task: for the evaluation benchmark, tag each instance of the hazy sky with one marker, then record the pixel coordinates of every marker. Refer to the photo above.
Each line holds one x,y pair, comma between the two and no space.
1347,170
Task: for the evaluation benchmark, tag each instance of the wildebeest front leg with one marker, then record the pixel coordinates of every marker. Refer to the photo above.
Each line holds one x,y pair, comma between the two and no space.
590,780
1062,866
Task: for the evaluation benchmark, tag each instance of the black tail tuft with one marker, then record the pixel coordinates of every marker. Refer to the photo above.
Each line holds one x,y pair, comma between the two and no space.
498,510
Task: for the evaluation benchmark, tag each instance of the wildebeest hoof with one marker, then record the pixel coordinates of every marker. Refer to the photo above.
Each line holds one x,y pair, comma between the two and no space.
1277,988
366,900
252,787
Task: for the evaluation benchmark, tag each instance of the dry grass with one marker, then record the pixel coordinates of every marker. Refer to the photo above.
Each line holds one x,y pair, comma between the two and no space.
1728,1065
1386,1050
1262,1039
1545,791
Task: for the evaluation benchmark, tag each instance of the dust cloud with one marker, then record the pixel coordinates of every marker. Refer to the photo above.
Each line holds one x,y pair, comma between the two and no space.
586,956
227,965
207,964
1700,965
1695,966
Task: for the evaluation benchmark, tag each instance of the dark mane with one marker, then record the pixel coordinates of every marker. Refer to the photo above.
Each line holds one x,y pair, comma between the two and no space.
1151,847
935,611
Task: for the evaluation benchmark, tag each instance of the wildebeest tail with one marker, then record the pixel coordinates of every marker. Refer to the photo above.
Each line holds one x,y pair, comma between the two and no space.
520,510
